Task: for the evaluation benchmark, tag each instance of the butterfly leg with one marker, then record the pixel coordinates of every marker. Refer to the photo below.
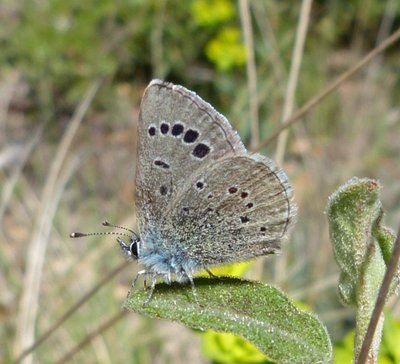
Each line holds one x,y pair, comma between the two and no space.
167,277
194,292
212,275
138,274
152,287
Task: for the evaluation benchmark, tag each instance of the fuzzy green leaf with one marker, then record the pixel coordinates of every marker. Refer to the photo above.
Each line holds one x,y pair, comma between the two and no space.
352,211
259,313
362,248
386,239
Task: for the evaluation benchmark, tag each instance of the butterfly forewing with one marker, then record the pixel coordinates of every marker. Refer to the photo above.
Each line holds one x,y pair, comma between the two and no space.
178,134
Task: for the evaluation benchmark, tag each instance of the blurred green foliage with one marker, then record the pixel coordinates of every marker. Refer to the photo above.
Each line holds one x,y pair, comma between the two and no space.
229,348
74,40
64,43
58,47
210,13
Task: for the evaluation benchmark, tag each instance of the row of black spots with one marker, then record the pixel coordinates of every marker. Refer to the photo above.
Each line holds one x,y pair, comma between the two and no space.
176,130
233,189
200,150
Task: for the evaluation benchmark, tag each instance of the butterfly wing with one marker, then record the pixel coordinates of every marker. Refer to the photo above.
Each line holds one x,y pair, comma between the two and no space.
178,133
237,208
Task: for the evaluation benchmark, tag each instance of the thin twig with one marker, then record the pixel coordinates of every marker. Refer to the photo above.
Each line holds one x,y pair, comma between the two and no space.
251,72
71,310
380,302
105,326
332,87
156,40
297,57
280,265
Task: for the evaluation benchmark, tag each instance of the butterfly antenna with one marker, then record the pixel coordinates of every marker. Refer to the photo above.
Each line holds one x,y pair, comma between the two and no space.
80,235
106,223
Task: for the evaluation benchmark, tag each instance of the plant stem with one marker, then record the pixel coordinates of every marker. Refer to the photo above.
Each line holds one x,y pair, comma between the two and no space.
380,302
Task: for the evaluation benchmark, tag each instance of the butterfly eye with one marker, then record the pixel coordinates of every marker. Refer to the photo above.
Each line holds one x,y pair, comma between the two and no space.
133,249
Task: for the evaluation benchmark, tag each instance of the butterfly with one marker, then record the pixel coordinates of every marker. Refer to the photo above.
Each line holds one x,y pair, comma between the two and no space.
201,199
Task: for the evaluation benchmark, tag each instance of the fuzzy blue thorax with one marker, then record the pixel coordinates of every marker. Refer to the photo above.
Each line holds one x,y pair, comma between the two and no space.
162,257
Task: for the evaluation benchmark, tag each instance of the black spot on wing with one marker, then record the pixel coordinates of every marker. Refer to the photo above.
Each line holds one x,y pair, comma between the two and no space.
201,150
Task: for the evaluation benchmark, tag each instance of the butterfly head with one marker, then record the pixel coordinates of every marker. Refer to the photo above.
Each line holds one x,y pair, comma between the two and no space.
130,250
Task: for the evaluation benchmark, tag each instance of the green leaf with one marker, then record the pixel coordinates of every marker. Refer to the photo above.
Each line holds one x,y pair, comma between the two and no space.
352,211
259,313
386,238
362,248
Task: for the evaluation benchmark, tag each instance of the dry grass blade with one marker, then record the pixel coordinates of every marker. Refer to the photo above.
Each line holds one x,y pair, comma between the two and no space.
43,236
109,323
332,87
71,310
38,245
380,302
251,72
281,264
297,57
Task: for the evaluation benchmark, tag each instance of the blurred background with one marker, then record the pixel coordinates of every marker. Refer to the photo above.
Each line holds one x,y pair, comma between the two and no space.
71,77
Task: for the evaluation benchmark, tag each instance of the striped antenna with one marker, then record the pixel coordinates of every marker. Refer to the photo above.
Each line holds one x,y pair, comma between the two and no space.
106,223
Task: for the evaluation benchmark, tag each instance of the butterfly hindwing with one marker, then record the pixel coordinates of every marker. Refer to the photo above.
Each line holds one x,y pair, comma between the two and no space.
238,208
